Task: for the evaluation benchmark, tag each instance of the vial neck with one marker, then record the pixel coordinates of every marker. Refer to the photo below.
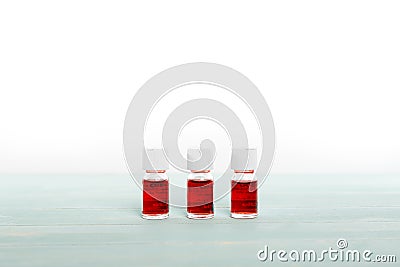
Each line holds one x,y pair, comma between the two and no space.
203,171
244,171
155,171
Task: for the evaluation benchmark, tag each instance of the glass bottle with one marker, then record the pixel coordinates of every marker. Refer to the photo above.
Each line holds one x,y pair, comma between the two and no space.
155,203
200,186
244,199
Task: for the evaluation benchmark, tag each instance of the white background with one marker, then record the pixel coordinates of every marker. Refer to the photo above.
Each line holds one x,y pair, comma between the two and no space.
329,70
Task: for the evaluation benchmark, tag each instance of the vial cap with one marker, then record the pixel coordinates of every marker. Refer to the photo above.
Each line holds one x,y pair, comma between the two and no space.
244,159
154,159
200,160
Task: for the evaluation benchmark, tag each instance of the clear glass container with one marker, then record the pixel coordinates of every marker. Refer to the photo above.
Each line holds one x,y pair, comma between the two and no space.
244,199
155,204
200,195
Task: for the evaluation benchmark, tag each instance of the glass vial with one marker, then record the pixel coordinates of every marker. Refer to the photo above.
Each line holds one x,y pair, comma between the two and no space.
244,200
200,185
155,203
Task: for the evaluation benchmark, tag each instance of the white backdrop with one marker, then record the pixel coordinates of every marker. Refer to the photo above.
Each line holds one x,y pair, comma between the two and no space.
330,71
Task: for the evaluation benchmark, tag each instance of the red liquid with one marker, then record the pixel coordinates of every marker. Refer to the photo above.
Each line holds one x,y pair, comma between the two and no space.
155,197
200,197
244,197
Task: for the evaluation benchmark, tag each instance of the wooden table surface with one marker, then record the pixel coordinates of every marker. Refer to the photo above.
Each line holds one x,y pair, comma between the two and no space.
94,220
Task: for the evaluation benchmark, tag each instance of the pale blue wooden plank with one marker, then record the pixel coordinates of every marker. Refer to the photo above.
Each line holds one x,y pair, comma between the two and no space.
95,221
